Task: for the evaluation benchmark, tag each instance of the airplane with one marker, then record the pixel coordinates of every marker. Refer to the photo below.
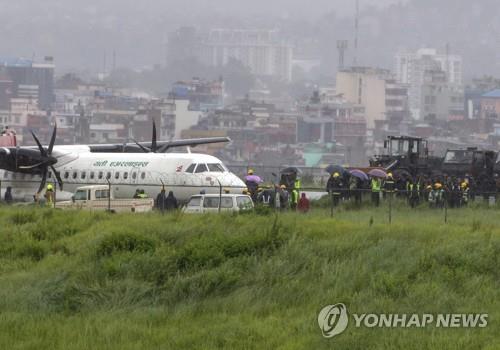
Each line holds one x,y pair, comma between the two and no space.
126,167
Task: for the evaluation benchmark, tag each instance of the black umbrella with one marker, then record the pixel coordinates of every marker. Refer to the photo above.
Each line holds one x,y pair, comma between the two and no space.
290,170
332,169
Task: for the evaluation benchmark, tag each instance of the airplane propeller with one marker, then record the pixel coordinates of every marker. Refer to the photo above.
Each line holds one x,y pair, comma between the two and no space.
46,161
154,148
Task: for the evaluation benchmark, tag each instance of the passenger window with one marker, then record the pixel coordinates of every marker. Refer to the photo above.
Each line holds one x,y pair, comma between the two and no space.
50,174
117,175
143,176
92,175
125,176
100,175
201,168
190,168
83,175
66,175
108,175
75,174
134,175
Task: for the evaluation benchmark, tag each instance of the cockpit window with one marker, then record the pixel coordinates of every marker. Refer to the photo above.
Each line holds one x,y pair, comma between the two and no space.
190,168
215,168
201,168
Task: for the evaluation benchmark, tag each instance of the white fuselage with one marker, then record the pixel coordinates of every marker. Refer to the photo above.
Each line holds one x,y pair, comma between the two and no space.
128,172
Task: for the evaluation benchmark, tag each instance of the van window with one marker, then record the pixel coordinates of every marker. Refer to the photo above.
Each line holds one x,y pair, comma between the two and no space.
201,168
81,195
194,202
213,202
244,202
100,194
190,168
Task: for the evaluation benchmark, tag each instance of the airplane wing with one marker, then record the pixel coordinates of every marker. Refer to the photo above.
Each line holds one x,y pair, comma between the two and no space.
162,146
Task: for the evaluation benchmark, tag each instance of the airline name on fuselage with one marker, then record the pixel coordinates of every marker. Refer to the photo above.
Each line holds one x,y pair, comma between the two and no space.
103,163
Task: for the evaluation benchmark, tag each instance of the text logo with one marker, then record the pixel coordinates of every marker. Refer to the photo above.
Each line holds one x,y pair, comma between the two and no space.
333,320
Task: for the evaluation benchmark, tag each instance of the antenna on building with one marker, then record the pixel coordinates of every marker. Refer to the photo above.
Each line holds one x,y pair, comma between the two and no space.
104,63
447,68
341,47
356,34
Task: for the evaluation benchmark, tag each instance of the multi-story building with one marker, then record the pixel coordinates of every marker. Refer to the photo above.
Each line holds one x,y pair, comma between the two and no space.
411,68
263,51
202,95
30,79
440,100
490,105
365,87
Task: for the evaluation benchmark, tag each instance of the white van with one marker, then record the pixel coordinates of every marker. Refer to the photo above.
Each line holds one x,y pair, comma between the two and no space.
209,203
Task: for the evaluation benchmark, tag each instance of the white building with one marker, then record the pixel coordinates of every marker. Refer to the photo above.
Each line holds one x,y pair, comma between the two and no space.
260,50
411,68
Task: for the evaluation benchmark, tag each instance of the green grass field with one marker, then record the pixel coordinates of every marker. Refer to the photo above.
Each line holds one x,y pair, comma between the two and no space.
76,280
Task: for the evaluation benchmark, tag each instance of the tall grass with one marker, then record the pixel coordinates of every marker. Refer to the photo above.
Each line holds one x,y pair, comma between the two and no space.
78,280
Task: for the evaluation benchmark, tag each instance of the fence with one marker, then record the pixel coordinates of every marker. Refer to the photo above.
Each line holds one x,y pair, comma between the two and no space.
357,198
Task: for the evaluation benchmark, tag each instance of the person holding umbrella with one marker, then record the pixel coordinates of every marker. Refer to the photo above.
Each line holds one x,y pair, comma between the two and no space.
334,188
252,181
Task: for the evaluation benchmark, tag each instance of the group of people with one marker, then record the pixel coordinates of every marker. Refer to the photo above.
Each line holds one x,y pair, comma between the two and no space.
165,202
437,192
284,196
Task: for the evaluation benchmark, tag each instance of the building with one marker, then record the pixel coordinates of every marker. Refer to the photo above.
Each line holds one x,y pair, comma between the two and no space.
440,99
183,44
202,95
411,68
490,105
30,79
365,87
263,51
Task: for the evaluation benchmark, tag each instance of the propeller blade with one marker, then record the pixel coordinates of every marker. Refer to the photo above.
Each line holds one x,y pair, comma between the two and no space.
153,140
144,149
52,140
42,183
31,166
58,177
42,150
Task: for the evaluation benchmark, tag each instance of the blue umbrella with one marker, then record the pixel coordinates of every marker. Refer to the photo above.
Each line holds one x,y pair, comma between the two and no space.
359,174
378,173
331,169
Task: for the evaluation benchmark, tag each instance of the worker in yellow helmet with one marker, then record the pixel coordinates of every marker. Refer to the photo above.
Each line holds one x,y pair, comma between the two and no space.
49,195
